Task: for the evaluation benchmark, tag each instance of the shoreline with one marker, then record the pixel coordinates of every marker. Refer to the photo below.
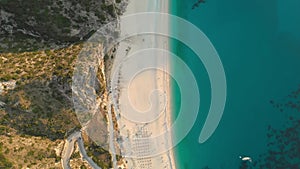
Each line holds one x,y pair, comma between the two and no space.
158,80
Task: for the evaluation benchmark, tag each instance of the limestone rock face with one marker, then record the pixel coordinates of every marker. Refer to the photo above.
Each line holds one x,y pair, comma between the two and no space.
37,24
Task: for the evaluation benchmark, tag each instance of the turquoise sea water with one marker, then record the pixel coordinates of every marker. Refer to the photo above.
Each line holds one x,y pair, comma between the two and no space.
259,45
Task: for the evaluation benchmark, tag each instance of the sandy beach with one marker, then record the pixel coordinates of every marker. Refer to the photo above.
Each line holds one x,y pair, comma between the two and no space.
142,95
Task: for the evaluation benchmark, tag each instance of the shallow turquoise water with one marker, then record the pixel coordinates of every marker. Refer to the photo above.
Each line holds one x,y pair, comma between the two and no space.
259,45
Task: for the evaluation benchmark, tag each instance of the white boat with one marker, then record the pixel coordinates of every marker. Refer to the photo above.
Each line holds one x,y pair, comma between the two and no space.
246,158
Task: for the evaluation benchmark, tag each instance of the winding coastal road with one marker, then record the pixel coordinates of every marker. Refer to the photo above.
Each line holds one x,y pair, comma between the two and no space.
84,154
69,149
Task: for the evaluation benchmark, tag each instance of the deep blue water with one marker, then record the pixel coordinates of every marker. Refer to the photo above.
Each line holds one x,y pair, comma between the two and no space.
259,45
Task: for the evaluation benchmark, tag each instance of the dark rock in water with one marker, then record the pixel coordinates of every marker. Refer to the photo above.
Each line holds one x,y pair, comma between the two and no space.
196,4
283,146
31,24
206,167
